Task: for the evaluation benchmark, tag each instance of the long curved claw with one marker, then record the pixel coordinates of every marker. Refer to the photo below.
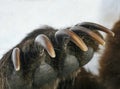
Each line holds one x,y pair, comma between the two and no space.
74,38
89,32
16,58
97,27
44,41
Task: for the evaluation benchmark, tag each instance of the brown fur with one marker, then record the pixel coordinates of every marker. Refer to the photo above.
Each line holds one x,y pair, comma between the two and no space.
6,65
84,80
110,61
109,72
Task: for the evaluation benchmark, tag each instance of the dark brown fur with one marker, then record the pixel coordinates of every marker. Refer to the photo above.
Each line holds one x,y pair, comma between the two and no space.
109,72
6,65
84,80
110,61
29,75
109,77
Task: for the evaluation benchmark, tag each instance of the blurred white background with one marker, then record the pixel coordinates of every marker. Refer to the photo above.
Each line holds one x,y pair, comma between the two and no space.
19,17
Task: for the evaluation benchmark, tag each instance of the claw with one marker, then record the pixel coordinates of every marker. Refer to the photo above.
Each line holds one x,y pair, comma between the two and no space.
16,58
97,26
46,44
89,32
74,38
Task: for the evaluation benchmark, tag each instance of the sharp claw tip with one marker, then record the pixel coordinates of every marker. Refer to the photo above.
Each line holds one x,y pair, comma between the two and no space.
53,55
113,34
103,44
85,49
17,69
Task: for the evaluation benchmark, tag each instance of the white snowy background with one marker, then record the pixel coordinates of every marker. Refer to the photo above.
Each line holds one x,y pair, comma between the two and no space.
19,17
